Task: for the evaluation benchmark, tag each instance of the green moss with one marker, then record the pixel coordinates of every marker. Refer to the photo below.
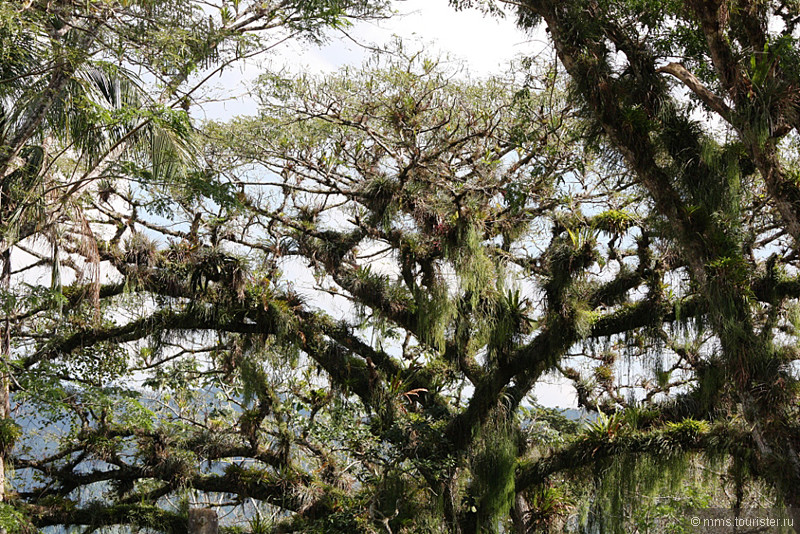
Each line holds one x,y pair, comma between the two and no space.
603,374
10,432
247,476
687,429
14,521
613,221
493,465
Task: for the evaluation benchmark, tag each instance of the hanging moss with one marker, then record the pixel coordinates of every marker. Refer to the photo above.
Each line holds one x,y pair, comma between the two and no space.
508,322
435,310
493,465
475,270
622,484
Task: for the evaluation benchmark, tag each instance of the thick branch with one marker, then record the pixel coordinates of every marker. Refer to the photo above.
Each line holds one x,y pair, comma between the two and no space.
708,97
661,444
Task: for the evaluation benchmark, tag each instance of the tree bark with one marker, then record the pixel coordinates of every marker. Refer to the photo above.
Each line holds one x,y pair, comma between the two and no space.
5,354
203,521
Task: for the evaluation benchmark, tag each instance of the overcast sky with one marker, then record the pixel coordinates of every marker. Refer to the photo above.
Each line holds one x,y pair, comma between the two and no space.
484,43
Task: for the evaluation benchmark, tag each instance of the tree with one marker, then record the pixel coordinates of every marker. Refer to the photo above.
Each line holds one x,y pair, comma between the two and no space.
697,100
399,413
95,97
339,325
450,232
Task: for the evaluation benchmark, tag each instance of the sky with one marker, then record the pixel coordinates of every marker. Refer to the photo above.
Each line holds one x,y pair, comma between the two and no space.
485,44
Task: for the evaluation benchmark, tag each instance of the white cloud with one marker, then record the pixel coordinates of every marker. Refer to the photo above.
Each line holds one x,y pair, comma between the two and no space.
486,44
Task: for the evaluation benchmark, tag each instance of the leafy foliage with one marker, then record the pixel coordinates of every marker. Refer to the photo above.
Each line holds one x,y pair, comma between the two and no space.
331,316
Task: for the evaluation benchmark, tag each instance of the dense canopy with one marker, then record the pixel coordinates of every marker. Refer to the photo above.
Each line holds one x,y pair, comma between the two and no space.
332,315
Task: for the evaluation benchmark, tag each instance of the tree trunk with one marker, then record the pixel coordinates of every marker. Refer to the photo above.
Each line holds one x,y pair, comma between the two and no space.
203,521
5,355
519,514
